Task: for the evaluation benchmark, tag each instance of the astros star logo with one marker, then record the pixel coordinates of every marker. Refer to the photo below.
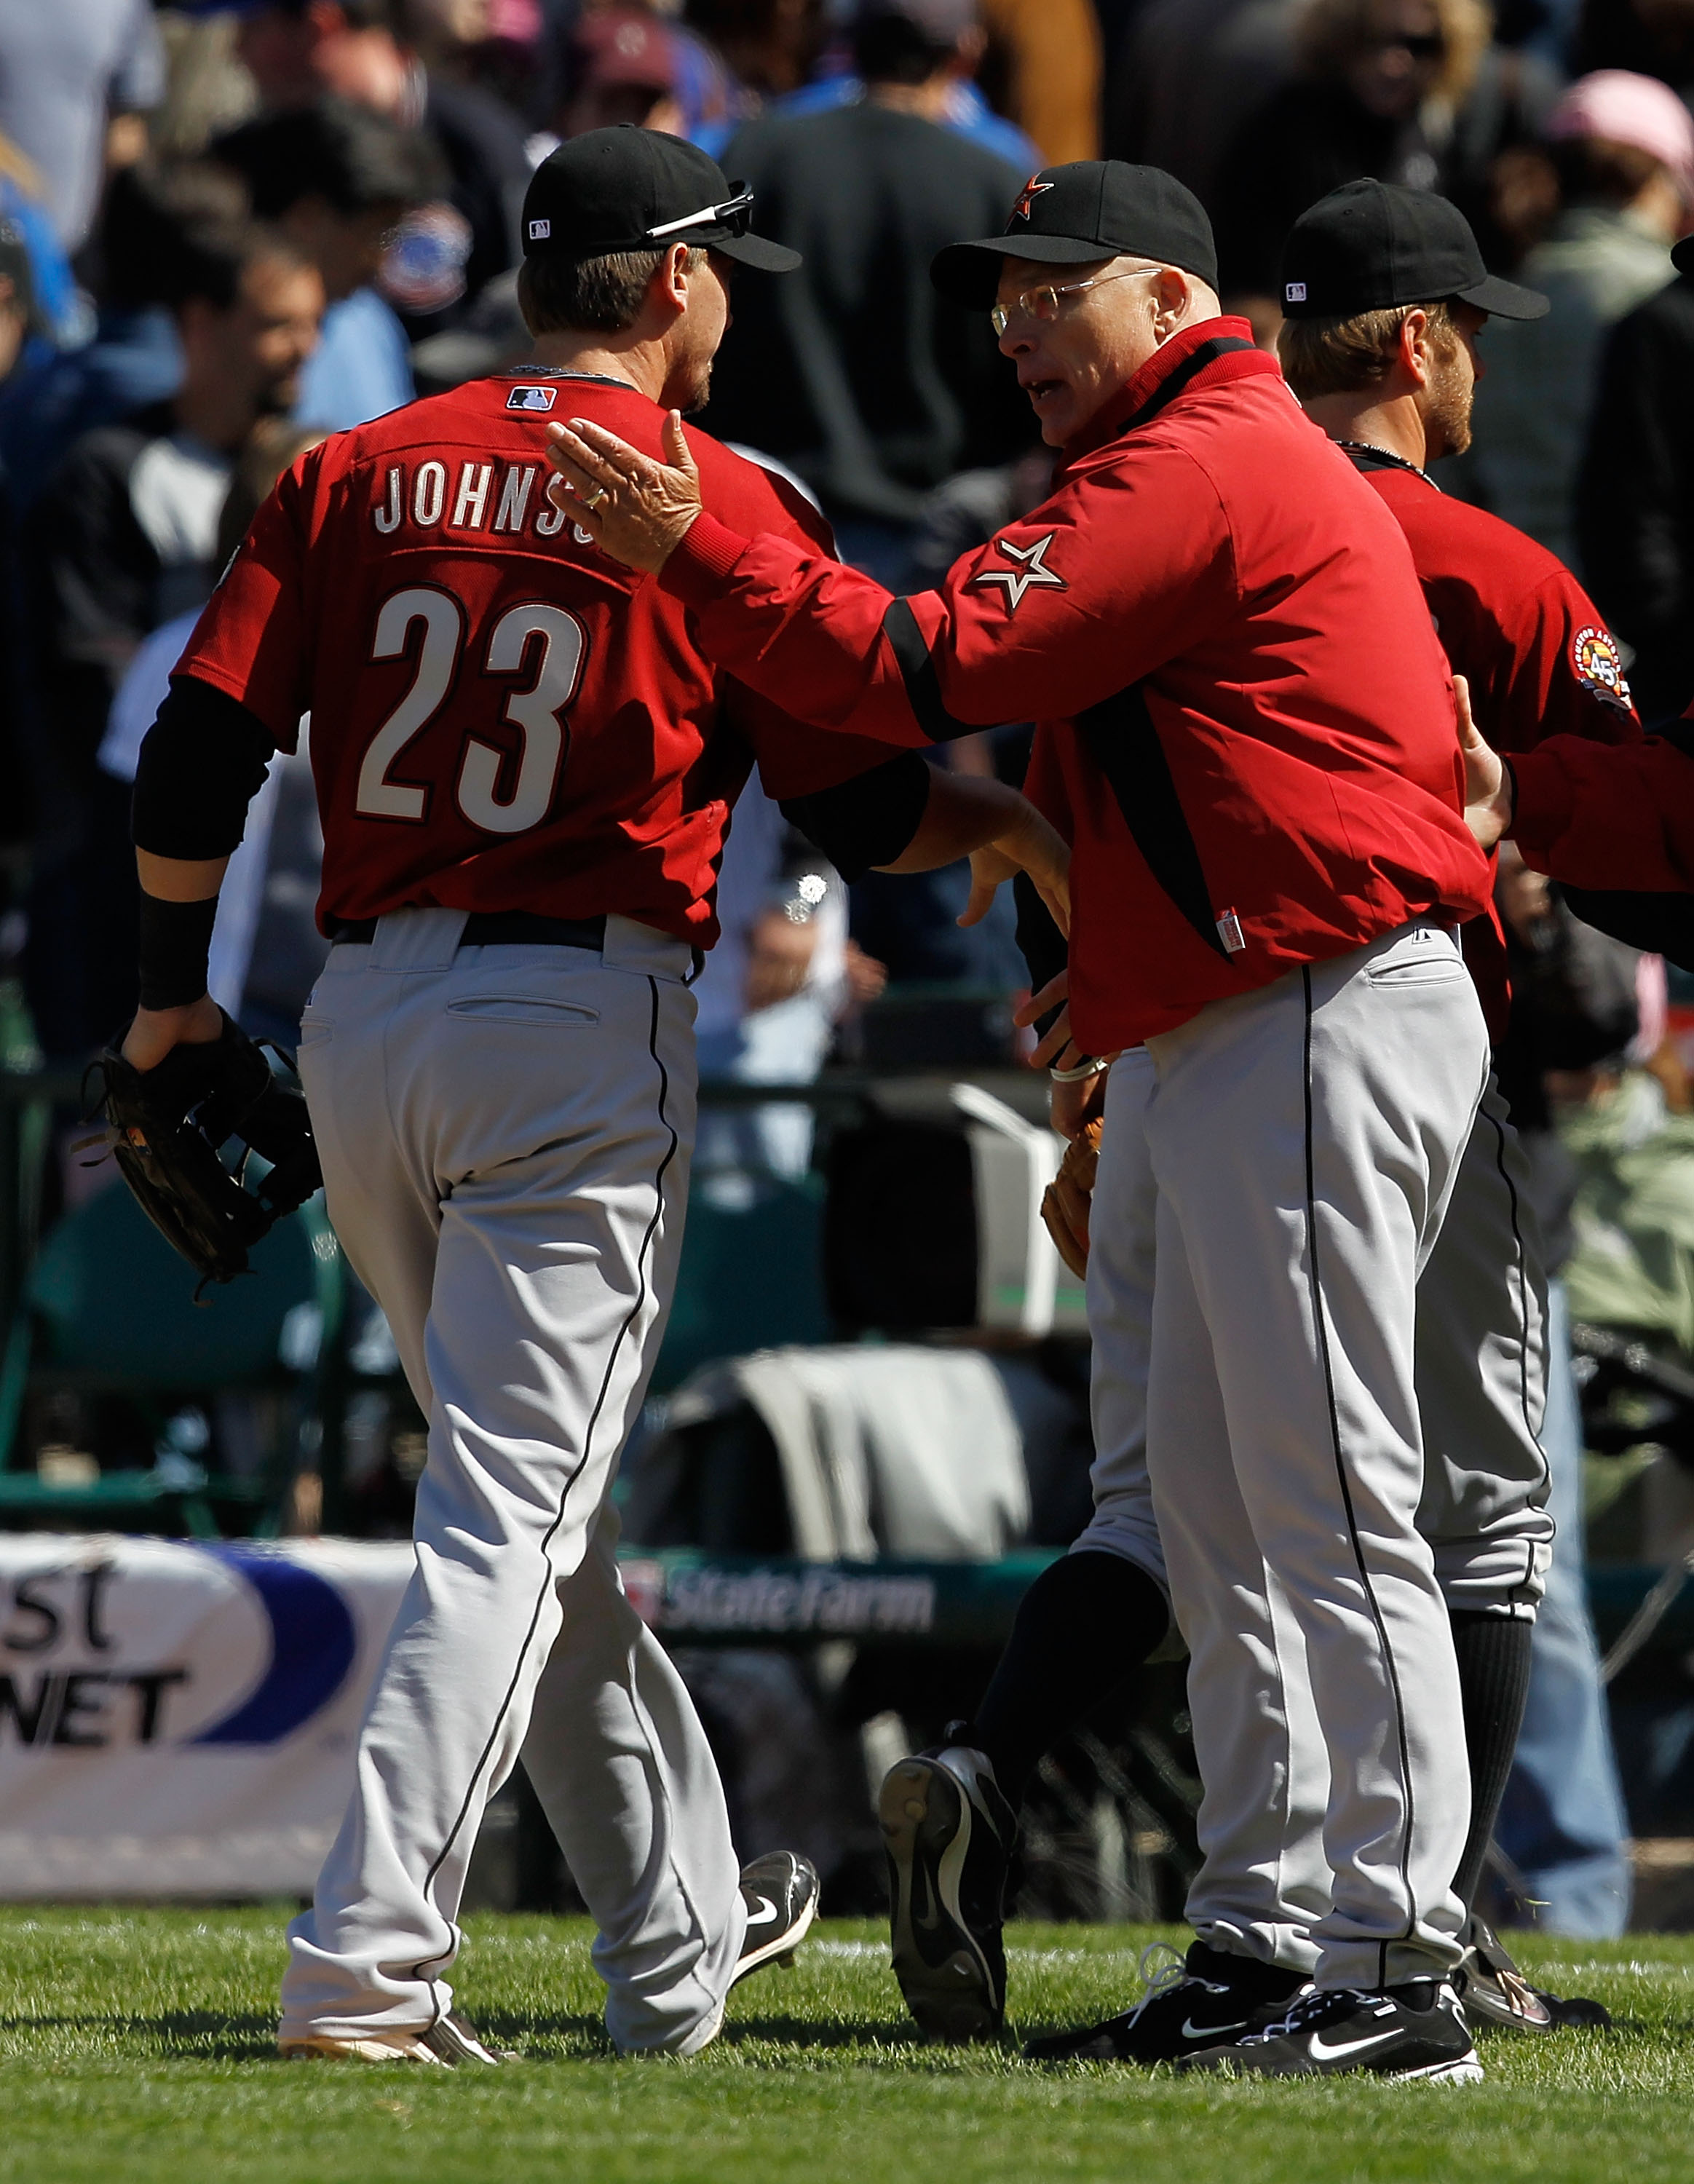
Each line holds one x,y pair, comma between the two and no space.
1031,190
1033,571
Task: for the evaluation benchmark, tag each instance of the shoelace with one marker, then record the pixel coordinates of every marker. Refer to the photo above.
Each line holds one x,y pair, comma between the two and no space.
1312,2002
1162,1979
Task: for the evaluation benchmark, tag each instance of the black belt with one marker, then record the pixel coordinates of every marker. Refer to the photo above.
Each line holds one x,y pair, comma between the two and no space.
486,928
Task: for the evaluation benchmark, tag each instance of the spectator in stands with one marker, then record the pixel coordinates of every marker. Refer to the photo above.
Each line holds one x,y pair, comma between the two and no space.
1406,91
954,101
1650,38
77,78
782,974
620,64
1625,150
334,179
266,948
446,252
769,49
1189,74
851,370
135,358
123,538
17,319
1635,503
1042,69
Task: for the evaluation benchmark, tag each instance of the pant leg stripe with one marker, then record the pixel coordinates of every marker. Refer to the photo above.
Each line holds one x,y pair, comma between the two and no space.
1321,1327
1521,1264
618,1341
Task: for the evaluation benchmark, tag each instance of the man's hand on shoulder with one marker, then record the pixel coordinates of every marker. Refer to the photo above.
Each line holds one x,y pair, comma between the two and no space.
634,509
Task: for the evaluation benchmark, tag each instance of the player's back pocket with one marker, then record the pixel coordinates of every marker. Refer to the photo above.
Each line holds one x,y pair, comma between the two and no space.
558,1015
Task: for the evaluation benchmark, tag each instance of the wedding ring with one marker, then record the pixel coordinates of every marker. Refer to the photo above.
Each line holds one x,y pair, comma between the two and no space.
595,498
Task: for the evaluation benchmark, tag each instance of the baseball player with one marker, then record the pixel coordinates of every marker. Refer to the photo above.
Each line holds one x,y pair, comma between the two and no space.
1217,624
525,763
1387,294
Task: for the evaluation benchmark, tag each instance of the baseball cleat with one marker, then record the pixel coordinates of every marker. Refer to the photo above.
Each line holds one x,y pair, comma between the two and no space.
1417,2030
1190,2004
1494,1992
780,1891
448,2043
950,1832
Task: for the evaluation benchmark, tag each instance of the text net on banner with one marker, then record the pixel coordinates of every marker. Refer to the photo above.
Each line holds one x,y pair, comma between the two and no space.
179,1719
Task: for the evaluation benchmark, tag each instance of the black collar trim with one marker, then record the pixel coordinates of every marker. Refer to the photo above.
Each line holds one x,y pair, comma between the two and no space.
1196,362
563,371
1365,455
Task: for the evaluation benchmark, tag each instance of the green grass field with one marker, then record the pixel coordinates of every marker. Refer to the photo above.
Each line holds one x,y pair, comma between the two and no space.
134,2048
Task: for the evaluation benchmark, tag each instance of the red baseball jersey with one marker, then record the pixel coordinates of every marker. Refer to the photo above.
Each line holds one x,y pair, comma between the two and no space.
1528,639
1512,620
1608,819
502,718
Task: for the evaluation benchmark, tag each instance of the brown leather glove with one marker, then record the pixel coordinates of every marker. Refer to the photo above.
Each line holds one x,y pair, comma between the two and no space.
1065,1205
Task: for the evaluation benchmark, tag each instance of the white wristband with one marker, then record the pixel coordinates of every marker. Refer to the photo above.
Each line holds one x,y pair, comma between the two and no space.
1093,1066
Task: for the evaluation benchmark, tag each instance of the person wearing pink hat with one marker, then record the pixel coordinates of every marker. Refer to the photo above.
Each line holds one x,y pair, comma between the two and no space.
1623,147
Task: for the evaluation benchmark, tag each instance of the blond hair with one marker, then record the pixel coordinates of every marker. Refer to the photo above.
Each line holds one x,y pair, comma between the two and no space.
1349,356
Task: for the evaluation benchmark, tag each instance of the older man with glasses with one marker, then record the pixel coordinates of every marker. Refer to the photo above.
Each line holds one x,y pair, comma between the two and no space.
1246,726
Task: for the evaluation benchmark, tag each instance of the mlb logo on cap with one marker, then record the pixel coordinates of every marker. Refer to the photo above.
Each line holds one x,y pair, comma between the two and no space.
1295,293
532,398
540,230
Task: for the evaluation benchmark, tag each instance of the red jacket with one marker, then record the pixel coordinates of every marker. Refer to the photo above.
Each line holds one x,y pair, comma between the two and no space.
1216,625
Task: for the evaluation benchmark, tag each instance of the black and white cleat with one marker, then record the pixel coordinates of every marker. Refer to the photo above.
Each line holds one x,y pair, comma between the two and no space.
1417,2030
781,1892
950,1833
1495,1993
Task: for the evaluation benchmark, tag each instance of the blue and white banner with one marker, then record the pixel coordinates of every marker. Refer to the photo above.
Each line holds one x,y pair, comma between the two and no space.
178,1719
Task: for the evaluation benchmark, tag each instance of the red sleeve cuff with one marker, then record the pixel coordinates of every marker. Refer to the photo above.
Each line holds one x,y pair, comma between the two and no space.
697,567
1545,801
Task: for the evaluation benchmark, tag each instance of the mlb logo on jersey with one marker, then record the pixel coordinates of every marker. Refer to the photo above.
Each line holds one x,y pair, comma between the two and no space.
532,398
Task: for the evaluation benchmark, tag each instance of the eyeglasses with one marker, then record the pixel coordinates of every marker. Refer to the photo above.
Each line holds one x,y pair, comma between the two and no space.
733,213
1043,304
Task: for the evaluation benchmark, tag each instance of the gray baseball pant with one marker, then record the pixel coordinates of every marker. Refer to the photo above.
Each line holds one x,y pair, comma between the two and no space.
1480,1370
505,1134
1304,1141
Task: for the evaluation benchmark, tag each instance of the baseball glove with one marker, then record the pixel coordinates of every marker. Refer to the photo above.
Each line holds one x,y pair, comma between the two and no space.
1065,1205
166,1127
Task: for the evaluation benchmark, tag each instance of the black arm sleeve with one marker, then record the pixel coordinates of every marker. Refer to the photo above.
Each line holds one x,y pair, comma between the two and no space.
868,820
201,765
1044,947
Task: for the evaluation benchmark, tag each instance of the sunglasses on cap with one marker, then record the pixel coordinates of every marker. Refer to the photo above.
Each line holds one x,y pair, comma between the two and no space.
735,213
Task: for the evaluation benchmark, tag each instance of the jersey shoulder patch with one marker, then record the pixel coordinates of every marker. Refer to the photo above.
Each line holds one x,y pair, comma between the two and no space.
1597,663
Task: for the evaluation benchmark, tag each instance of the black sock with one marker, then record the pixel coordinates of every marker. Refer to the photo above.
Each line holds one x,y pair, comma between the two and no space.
1084,1627
1494,1681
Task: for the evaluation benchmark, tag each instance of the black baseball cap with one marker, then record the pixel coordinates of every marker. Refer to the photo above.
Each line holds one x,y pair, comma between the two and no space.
637,189
1083,211
1369,246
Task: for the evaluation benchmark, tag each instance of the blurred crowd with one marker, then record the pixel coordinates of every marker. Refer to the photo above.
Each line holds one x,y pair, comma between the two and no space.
229,227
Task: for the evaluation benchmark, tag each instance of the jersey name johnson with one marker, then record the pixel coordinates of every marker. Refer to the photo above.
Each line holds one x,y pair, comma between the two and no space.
505,498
